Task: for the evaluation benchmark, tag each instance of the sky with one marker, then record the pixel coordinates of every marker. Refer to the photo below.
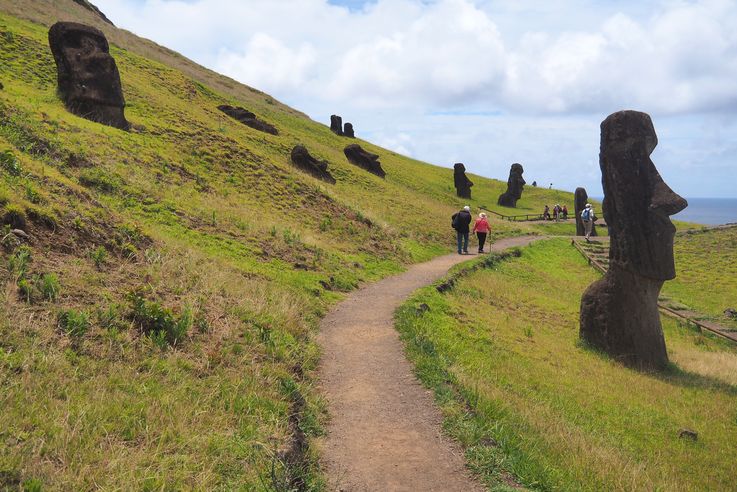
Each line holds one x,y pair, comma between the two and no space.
483,82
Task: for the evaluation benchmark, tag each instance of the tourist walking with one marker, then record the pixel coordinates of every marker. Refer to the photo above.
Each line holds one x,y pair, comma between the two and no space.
546,213
564,211
481,228
461,223
588,218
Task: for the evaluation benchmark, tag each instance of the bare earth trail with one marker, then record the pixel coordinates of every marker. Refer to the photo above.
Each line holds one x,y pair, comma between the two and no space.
385,431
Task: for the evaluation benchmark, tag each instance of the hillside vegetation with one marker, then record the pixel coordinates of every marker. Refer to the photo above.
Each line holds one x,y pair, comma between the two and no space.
502,353
156,326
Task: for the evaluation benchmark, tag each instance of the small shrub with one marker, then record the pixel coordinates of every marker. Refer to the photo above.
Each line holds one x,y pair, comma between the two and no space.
25,289
4,198
73,323
110,318
158,322
99,256
18,263
10,163
48,286
129,251
32,195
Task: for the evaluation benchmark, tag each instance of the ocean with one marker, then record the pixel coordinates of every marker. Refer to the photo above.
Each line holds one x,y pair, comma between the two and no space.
709,211
706,211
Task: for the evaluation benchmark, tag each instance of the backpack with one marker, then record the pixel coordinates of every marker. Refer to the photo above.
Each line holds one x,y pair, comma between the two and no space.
586,214
454,221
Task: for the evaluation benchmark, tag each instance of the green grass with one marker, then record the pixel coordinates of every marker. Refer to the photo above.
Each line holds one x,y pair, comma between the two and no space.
526,400
706,268
239,255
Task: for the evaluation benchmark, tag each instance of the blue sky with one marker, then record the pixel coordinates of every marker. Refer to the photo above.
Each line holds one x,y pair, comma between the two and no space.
483,82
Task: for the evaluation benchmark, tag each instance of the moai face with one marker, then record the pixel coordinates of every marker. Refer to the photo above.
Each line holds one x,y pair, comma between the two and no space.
88,77
637,202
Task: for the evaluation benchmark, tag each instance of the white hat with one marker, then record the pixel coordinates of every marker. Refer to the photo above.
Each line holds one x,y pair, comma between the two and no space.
588,205
467,208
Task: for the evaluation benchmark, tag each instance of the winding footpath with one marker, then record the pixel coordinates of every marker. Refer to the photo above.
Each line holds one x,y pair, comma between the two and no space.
385,431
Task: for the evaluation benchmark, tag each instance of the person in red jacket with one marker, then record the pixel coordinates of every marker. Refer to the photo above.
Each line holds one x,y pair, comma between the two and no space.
481,228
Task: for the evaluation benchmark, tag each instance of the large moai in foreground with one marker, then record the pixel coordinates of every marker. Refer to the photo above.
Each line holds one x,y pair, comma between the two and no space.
580,199
88,78
515,185
619,313
460,180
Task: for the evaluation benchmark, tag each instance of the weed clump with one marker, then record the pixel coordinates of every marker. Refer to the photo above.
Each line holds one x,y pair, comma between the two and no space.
100,180
158,322
10,163
73,323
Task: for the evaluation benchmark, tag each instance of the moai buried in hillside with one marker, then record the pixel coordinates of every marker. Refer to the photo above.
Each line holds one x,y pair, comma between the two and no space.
580,199
88,78
461,181
366,160
348,130
515,185
619,313
303,160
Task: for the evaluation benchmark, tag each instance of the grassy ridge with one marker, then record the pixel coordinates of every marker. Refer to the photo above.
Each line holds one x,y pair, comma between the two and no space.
501,352
156,328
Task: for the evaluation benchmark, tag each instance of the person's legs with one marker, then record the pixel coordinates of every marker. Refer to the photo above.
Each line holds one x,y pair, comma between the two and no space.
459,236
465,242
482,240
587,228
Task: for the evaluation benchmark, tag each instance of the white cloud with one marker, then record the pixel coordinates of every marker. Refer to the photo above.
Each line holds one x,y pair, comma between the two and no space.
544,75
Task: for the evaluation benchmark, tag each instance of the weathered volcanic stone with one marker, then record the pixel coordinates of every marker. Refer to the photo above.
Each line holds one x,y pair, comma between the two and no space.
366,160
461,181
336,124
581,198
348,130
248,119
93,9
619,313
303,160
88,79
515,184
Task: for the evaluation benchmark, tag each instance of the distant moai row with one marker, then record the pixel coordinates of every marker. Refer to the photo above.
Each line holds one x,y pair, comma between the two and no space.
89,84
337,127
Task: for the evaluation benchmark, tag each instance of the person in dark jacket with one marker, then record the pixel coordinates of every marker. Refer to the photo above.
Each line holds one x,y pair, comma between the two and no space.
461,222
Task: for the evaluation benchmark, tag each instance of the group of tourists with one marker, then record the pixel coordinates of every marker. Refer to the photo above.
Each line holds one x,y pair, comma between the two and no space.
461,222
558,213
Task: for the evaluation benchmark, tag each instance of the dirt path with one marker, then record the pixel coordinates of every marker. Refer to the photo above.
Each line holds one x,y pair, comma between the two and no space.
385,431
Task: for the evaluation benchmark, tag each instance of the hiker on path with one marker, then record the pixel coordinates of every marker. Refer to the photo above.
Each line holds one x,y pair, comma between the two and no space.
481,228
546,213
461,221
564,211
588,218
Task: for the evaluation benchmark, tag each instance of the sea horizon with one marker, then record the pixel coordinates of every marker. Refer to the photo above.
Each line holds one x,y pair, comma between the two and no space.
707,211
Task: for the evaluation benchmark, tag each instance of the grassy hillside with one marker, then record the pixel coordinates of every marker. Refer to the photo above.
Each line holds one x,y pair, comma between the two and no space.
501,352
156,326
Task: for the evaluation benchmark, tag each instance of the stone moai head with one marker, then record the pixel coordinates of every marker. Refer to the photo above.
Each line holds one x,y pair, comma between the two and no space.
516,183
460,180
88,78
336,124
348,130
580,198
637,202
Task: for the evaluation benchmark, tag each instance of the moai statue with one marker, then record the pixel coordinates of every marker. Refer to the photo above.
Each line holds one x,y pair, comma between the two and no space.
88,79
580,200
336,124
348,130
365,160
303,160
515,184
619,313
461,181
248,118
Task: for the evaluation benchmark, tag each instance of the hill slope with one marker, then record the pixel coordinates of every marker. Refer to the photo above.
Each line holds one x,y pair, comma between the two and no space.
156,327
